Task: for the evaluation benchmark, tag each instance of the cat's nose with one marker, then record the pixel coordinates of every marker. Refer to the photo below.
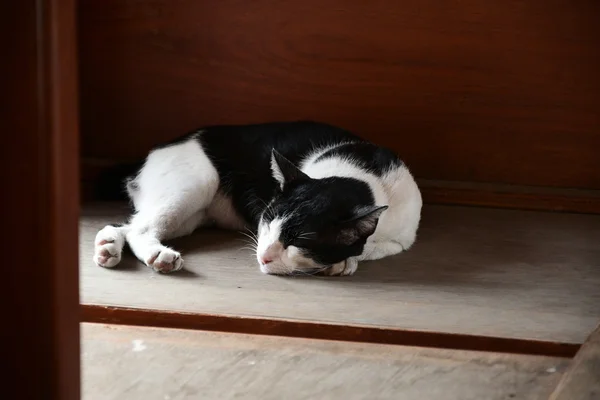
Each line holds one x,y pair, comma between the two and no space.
265,261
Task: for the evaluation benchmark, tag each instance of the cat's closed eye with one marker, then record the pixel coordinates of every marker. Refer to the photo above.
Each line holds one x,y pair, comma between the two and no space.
302,242
304,239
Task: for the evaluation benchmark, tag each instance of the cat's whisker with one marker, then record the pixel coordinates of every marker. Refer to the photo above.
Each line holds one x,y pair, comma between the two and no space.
247,242
248,235
252,238
251,232
312,273
268,208
247,248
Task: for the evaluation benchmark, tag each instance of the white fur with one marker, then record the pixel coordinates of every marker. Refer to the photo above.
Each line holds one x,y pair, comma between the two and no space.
108,246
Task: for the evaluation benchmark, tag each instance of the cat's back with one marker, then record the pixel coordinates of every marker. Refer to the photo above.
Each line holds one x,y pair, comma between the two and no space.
254,143
365,155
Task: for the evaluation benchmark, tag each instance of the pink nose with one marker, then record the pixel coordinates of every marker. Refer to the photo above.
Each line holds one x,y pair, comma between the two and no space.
265,260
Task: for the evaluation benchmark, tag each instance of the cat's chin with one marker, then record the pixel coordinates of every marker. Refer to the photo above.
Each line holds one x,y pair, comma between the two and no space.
282,270
275,269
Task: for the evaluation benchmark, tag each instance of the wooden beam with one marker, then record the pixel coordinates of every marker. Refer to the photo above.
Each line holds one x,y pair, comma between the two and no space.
40,194
152,363
581,381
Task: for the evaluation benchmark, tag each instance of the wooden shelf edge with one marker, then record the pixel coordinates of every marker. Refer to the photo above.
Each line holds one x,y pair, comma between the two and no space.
443,192
314,330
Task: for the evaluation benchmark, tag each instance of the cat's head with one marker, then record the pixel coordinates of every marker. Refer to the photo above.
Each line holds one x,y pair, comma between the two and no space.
312,224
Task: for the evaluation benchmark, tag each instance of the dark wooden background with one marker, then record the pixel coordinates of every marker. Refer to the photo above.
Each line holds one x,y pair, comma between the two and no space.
468,90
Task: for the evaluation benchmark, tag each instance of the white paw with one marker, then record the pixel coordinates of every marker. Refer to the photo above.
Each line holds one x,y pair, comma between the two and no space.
344,268
351,267
165,260
108,247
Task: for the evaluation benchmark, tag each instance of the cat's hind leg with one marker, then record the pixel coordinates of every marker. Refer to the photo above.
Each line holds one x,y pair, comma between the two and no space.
171,194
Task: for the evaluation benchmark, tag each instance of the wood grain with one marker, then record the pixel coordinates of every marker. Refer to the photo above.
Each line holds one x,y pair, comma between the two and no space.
40,200
466,90
582,379
171,364
497,273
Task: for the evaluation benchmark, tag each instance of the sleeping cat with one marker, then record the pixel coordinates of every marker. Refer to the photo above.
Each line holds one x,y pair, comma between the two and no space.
317,198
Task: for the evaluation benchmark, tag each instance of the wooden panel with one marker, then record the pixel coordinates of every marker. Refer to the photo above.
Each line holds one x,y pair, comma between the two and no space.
172,364
489,91
40,202
582,379
473,271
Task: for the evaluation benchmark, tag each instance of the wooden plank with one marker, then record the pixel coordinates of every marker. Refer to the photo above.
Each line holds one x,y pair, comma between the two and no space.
487,272
467,90
150,363
582,379
40,200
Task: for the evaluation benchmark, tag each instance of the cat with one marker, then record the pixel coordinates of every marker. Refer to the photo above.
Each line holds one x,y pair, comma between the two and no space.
317,198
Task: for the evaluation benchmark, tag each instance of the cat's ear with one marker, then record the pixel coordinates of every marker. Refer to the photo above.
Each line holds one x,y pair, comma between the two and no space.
361,226
283,170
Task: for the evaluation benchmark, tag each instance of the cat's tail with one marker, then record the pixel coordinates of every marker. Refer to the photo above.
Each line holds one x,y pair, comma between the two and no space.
111,182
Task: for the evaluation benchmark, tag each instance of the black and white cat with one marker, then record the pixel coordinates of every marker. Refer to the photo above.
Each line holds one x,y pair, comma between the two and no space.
318,198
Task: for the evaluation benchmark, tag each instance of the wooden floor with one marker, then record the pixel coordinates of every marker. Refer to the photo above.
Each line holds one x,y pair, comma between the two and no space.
500,273
149,363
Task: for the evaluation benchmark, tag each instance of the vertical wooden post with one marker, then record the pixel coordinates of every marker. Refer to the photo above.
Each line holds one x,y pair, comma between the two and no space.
39,181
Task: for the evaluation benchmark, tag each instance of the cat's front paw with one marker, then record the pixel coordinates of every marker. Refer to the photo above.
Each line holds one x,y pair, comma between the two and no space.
108,246
165,260
344,268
